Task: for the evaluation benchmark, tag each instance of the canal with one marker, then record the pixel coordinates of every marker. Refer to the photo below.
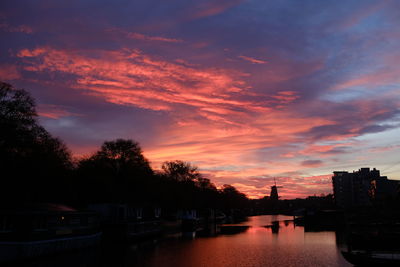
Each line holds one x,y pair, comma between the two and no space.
259,244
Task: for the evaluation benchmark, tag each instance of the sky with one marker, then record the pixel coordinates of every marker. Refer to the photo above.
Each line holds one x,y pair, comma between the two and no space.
248,91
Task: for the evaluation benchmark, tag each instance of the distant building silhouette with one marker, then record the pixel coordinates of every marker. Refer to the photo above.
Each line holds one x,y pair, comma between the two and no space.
274,192
359,188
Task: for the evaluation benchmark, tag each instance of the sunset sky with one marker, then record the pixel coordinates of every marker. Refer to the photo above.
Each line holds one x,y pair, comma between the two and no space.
248,91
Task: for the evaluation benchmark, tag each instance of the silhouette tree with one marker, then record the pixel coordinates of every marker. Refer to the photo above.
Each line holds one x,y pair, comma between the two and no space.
205,183
180,171
123,156
17,119
232,197
118,172
34,164
230,190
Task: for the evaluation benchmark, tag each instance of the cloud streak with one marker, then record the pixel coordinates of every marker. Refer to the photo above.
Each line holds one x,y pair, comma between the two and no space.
252,60
130,77
139,36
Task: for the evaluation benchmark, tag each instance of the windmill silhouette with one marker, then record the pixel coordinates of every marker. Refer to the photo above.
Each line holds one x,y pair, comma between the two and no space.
274,191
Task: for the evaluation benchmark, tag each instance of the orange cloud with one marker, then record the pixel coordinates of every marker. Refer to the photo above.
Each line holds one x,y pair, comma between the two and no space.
54,112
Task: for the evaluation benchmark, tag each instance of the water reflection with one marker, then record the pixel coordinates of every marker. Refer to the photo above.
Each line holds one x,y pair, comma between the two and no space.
260,241
265,242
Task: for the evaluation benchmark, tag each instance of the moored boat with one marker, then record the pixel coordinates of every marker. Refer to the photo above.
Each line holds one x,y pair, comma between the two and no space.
35,230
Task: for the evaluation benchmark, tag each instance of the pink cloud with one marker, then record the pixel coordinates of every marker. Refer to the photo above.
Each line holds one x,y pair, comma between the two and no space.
142,36
372,80
132,78
286,96
54,111
212,8
325,150
31,52
139,36
312,163
252,60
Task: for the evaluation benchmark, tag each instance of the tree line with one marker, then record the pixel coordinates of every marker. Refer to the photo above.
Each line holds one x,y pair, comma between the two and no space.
38,167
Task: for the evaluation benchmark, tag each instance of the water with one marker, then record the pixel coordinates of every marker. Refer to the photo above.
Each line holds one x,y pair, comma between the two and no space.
286,245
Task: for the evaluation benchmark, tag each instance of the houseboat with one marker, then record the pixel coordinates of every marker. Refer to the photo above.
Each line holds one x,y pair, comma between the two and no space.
127,223
39,229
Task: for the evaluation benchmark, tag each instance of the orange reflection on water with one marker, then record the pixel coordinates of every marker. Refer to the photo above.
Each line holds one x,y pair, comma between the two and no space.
264,243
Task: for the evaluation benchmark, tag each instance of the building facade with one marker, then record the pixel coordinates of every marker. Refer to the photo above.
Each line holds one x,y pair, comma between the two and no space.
355,189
